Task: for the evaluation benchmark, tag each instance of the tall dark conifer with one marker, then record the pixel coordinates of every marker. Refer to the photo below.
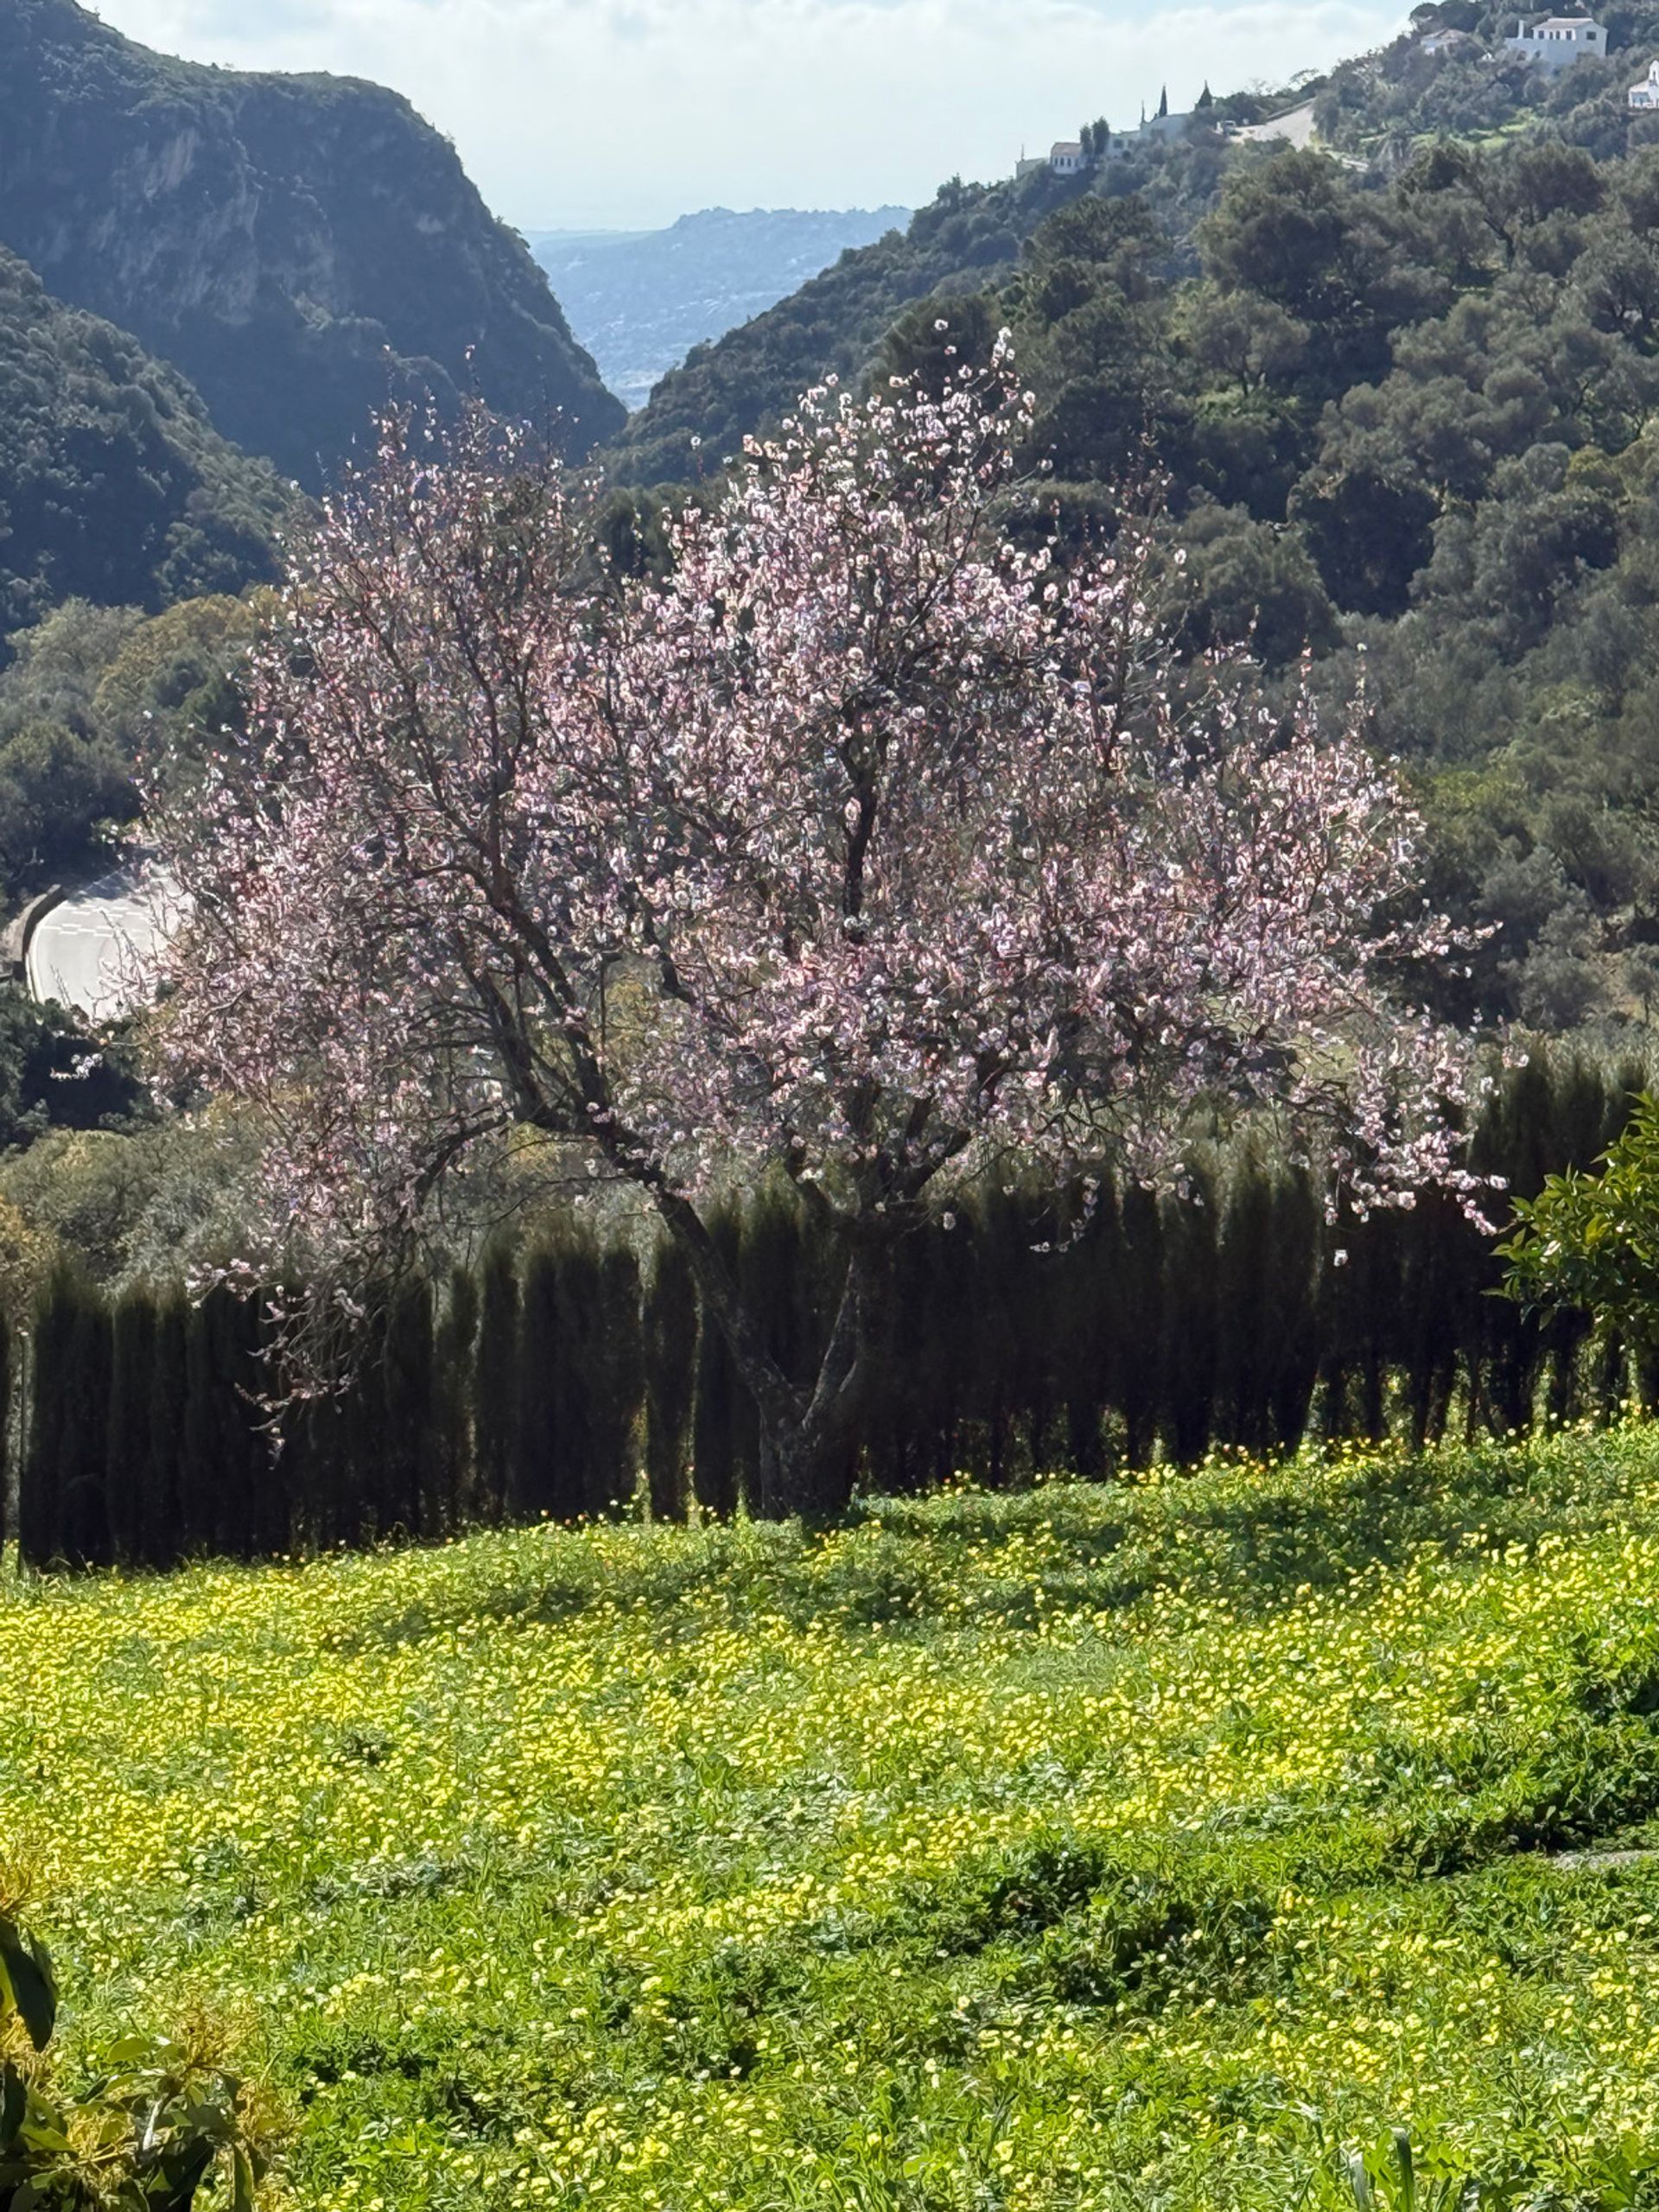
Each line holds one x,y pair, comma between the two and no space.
408,1409
670,1358
495,1384
539,1484
127,1457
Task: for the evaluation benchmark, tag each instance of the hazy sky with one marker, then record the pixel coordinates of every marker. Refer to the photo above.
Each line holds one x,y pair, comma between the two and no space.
624,113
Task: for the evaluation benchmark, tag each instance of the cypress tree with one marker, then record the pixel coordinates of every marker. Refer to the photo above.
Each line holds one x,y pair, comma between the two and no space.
772,1280
162,1541
1243,1328
617,1384
722,1419
408,1410
1292,1268
542,1483
449,1468
41,1530
495,1384
198,1467
84,1436
127,1453
1084,1283
1189,1364
1139,1315
671,1359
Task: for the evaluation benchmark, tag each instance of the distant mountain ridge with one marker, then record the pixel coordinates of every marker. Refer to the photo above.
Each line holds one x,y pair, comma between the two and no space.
300,247
641,300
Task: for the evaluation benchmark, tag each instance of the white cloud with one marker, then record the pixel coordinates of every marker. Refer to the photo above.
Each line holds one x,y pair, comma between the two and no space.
571,113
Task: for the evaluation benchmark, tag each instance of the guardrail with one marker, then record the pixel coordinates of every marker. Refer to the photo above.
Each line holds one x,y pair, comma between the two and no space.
19,933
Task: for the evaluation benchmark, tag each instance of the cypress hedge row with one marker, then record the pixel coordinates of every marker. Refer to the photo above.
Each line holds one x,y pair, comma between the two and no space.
567,1381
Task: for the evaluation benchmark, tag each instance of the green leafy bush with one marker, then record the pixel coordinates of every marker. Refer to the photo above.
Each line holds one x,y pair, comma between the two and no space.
163,2123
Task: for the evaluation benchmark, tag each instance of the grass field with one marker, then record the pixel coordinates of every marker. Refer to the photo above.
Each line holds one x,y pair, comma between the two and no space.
1092,1847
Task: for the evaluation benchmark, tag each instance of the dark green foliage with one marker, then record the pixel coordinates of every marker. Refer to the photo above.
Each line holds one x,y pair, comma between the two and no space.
722,1434
541,1481
62,1512
1028,1335
302,247
670,1358
615,1377
133,1365
114,485
161,1526
494,1392
411,1439
163,2123
448,1470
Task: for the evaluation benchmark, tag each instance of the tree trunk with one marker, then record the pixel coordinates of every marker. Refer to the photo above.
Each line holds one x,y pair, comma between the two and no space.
807,1444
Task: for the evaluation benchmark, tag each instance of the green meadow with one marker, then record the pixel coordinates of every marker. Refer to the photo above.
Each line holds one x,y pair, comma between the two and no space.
1264,1837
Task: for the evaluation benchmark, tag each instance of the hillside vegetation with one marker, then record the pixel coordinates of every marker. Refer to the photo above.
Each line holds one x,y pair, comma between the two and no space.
114,485
298,246
1096,1847
834,325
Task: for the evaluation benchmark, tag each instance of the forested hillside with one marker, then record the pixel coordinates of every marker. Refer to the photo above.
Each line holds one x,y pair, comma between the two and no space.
299,246
1403,413
114,485
968,237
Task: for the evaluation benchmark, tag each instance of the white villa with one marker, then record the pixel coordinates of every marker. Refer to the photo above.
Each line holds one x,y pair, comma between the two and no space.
1558,42
1066,157
1646,94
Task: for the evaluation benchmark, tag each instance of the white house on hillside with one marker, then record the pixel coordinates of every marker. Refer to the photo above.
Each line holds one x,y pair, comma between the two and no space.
1646,94
1560,42
1067,158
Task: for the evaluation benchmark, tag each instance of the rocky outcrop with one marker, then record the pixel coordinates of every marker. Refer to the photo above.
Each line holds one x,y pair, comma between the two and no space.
302,247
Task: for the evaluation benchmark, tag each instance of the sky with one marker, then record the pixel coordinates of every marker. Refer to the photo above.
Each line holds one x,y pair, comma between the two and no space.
622,114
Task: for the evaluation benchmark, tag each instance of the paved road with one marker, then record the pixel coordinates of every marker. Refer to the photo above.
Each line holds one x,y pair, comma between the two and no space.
91,951
1296,128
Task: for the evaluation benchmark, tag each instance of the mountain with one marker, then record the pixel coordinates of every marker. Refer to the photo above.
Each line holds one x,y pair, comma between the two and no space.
299,246
641,300
114,485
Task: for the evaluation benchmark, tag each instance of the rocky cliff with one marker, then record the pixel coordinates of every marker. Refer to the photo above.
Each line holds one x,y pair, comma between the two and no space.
300,246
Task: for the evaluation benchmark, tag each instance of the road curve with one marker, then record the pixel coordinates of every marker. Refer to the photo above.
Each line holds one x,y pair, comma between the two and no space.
96,949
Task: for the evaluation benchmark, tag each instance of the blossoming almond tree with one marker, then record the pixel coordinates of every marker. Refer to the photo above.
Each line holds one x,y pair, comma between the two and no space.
869,843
